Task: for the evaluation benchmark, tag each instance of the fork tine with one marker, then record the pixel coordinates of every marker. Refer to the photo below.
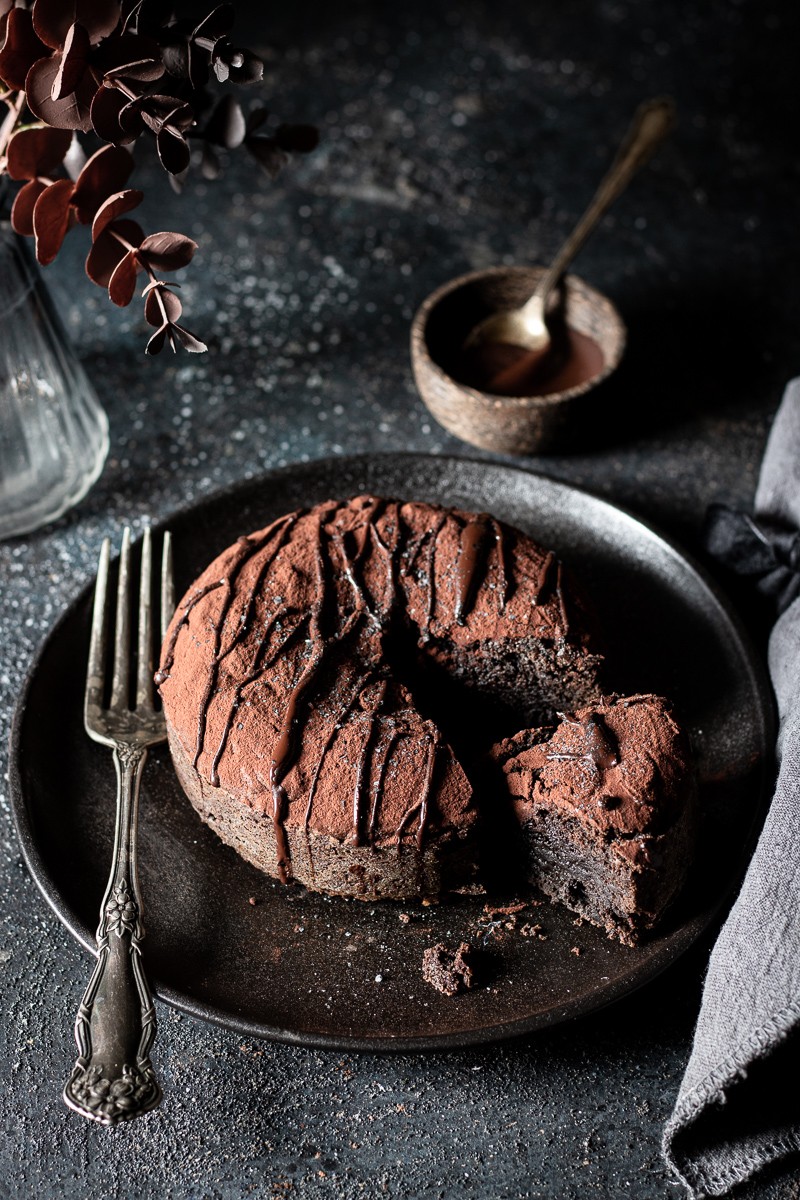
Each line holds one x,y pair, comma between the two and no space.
121,678
167,584
144,656
95,674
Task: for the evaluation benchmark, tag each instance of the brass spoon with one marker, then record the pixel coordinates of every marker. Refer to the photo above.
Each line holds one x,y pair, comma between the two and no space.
527,326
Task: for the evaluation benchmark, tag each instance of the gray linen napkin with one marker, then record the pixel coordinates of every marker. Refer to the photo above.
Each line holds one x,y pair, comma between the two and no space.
737,1108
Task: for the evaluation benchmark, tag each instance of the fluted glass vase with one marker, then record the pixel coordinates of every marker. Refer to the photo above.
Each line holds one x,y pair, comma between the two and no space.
53,430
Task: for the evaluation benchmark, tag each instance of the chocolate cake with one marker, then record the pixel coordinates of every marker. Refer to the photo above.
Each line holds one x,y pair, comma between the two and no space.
604,806
290,679
450,971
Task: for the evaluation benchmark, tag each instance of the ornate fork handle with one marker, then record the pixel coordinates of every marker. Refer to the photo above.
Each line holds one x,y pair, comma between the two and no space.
113,1078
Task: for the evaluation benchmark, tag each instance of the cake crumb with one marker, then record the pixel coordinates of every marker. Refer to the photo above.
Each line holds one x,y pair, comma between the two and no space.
252,900
427,901
449,971
576,950
505,909
404,918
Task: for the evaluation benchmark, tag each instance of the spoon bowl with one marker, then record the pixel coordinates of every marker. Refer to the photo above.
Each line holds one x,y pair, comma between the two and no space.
507,424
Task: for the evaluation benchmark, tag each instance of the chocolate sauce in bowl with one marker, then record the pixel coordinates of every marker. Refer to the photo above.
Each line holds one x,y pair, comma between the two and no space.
505,370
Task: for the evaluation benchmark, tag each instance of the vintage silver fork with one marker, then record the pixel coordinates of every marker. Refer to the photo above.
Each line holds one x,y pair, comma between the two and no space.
113,1079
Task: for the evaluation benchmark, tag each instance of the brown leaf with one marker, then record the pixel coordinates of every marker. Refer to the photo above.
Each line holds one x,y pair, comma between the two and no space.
156,343
52,19
37,150
142,70
122,283
22,209
107,251
173,150
231,62
157,111
176,60
51,219
130,117
107,105
106,172
188,340
113,207
181,117
219,59
70,113
20,50
129,56
168,251
193,64
249,70
161,305
73,63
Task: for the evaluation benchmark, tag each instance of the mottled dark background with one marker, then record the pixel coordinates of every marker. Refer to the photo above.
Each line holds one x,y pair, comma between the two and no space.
454,136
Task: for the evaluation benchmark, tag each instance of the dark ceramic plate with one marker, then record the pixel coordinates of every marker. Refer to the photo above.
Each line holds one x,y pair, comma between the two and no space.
345,974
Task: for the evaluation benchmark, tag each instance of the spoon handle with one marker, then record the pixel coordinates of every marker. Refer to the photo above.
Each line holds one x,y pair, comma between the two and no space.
651,123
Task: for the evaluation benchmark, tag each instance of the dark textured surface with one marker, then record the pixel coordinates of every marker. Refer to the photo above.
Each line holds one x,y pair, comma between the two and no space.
454,136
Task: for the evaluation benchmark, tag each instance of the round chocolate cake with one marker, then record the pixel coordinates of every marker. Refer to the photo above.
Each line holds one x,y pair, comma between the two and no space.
305,681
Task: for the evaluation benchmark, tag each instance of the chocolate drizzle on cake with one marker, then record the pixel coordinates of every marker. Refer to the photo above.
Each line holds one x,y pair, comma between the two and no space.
420,809
247,547
168,653
502,565
261,662
336,724
430,567
598,748
542,579
473,538
562,604
282,756
383,755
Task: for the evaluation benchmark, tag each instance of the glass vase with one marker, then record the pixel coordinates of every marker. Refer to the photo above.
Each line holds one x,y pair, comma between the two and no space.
53,430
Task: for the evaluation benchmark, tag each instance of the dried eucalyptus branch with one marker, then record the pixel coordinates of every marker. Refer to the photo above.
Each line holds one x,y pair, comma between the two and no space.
118,70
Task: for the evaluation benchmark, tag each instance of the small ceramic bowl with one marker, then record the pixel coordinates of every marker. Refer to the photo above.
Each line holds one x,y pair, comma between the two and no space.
507,424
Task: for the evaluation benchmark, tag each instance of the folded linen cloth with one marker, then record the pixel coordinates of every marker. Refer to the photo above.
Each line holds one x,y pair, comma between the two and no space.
738,1108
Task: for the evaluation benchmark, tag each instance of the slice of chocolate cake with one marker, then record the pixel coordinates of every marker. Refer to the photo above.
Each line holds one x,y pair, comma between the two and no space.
604,805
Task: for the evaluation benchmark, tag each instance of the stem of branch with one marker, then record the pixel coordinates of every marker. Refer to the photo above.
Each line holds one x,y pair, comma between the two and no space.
148,269
15,107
